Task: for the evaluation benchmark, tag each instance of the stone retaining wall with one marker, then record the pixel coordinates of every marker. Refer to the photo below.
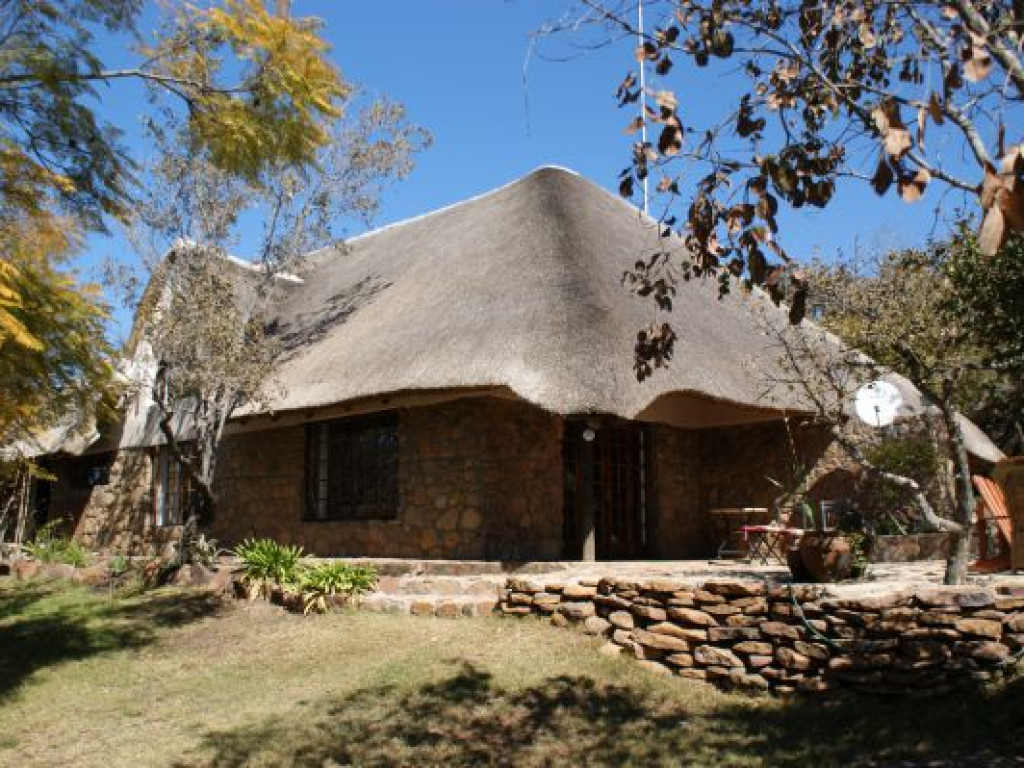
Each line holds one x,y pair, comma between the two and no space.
751,635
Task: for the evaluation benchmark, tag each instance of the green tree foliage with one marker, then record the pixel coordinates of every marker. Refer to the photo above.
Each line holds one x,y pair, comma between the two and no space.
55,361
254,90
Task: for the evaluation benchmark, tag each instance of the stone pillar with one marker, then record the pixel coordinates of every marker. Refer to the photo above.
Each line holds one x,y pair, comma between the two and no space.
588,533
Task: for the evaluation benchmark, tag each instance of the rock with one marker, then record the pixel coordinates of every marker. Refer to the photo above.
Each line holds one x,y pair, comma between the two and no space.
690,634
610,649
578,592
595,625
790,659
660,642
649,612
621,619
426,608
577,611
622,637
680,659
736,588
692,617
938,619
872,603
692,673
1015,623
722,609
729,634
925,649
589,582
779,629
222,582
759,660
614,602
1009,604
713,656
815,651
743,620
507,609
447,610
741,679
872,646
983,650
554,588
705,597
681,600
661,586
752,606
980,628
546,599
656,668
1015,640
558,620
645,652
813,685
990,614
519,598
98,574
964,598
753,647
523,585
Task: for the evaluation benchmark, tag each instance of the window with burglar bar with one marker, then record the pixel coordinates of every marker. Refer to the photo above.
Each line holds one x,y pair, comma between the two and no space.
352,469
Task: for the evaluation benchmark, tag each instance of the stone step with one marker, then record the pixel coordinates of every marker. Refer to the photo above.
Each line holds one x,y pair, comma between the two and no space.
441,606
488,586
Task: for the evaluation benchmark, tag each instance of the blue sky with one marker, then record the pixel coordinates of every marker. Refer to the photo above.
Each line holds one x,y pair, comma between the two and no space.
458,66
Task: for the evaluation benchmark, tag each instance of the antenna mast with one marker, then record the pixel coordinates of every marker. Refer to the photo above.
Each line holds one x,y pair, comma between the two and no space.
643,96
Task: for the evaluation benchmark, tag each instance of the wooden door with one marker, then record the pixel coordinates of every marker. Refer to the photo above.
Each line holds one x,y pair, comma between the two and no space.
605,490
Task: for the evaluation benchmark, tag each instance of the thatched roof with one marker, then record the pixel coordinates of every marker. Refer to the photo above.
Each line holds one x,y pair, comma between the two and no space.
520,288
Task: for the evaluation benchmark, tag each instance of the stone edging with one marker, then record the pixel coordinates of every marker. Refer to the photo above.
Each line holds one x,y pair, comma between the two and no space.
752,635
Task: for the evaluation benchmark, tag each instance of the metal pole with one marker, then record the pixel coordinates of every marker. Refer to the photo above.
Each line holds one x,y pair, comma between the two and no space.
643,94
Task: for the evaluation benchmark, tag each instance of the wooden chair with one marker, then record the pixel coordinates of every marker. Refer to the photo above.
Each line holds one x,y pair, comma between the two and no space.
991,508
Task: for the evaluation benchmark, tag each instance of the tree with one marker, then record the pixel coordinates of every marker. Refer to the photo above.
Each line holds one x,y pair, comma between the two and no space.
206,321
256,87
826,92
254,91
53,360
919,313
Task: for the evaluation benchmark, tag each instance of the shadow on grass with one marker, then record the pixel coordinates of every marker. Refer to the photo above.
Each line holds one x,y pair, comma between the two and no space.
466,719
46,623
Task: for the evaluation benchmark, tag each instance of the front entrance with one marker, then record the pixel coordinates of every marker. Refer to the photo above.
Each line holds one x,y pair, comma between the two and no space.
605,490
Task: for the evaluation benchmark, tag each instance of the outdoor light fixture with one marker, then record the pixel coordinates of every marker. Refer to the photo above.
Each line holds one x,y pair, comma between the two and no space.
589,435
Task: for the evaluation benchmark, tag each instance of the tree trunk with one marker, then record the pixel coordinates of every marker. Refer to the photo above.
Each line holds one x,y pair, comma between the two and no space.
960,543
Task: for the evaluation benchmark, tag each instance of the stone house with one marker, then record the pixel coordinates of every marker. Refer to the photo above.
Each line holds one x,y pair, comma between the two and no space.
460,385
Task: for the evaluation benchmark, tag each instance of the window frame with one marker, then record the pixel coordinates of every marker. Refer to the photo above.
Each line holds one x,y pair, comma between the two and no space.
362,475
166,469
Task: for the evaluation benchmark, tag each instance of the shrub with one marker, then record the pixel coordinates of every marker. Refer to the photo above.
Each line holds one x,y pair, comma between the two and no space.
119,565
326,579
49,546
265,563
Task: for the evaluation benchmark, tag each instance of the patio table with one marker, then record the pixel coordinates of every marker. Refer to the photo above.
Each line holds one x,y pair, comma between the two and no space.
769,542
727,523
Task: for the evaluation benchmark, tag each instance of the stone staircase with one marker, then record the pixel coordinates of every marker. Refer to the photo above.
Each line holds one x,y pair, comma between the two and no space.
447,589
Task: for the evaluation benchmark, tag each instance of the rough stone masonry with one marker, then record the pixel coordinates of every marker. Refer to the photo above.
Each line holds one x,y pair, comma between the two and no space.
792,638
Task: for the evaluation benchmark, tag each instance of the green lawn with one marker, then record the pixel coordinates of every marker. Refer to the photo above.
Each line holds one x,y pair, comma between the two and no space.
178,679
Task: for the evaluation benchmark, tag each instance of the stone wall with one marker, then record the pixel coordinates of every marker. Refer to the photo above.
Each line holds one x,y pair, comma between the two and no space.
117,515
478,478
799,638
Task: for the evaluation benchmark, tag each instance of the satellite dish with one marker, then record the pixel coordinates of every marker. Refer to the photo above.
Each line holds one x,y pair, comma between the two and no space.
877,403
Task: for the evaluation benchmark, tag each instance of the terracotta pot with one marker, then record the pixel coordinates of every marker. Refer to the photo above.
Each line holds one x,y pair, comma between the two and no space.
825,556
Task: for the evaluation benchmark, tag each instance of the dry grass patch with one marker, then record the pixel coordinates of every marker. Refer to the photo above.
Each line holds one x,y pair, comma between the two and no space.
176,679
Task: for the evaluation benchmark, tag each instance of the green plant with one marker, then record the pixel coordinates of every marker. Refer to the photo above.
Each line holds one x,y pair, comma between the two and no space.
205,550
49,546
265,563
326,579
119,564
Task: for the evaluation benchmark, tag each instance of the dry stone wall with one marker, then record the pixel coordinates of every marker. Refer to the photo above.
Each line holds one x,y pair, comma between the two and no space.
791,638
